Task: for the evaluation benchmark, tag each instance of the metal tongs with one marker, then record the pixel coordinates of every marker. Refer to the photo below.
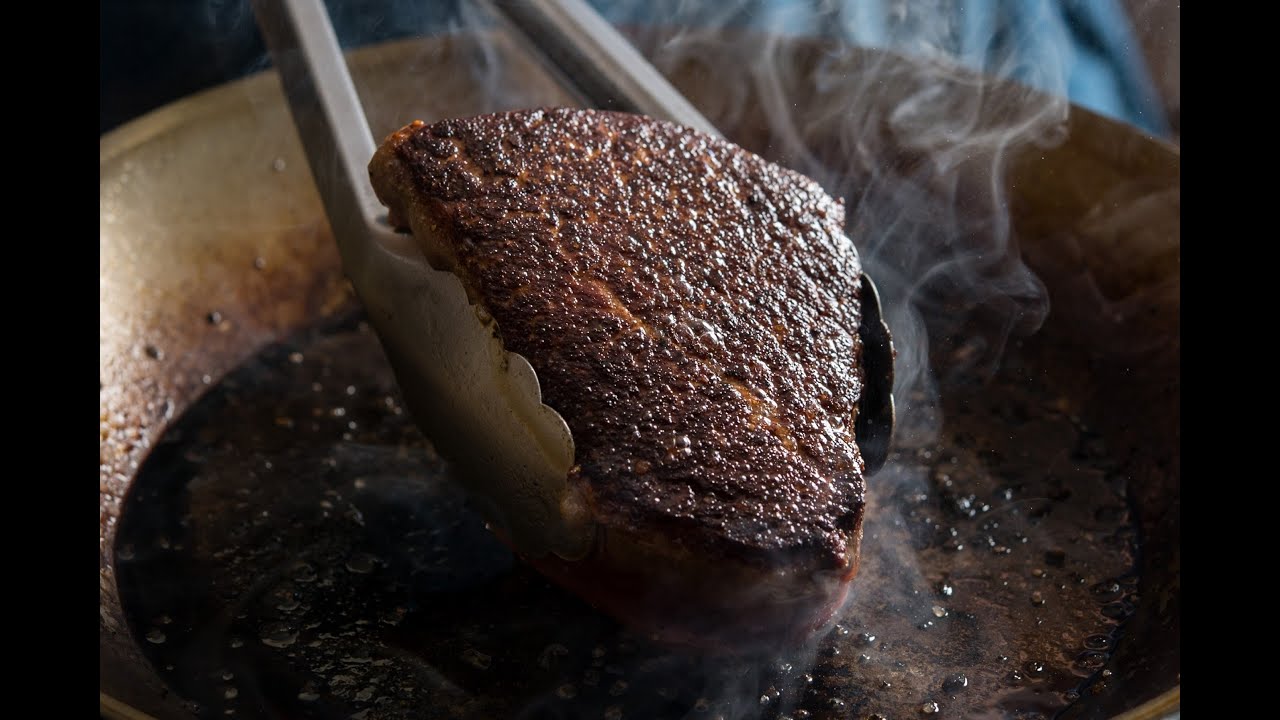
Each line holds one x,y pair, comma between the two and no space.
480,404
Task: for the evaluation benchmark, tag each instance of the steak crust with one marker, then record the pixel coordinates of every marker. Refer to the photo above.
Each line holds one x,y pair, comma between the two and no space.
692,312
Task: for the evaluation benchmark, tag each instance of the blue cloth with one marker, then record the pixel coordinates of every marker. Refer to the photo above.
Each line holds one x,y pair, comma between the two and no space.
154,51
1084,50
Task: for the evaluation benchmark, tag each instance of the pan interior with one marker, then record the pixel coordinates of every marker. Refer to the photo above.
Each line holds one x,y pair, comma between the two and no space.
262,555
293,547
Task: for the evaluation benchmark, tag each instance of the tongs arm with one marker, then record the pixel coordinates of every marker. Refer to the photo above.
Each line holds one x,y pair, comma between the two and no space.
329,116
480,405
596,61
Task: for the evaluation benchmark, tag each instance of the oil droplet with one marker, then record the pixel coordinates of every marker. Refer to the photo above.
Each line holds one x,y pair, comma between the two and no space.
567,691
1115,610
154,352
231,693
476,659
304,573
155,636
1098,642
1035,668
361,563
955,683
1091,660
1037,598
1107,591
939,611
551,654
213,318
929,708
278,635
259,263
278,165
236,642
866,639
308,696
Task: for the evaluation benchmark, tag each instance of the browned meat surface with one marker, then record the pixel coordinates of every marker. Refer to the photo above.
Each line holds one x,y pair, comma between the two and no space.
692,312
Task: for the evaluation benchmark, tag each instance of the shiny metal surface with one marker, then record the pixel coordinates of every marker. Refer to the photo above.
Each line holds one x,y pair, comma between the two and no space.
482,405
596,61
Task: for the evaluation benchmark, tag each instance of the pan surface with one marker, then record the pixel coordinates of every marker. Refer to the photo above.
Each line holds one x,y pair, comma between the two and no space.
278,541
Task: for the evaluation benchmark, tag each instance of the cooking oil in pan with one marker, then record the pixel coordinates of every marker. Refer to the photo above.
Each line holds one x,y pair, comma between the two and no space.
294,548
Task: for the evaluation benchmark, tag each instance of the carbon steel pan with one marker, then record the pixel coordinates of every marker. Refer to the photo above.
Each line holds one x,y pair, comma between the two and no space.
277,541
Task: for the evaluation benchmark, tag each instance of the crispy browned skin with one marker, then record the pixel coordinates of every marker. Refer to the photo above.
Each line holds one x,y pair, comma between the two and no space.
691,311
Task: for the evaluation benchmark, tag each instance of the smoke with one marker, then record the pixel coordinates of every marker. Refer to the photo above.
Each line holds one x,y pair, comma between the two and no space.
908,111
916,147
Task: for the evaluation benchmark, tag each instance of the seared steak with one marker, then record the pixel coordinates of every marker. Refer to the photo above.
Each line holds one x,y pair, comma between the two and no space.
692,312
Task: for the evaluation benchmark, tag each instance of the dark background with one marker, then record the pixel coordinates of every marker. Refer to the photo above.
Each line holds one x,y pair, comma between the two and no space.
1126,52
156,51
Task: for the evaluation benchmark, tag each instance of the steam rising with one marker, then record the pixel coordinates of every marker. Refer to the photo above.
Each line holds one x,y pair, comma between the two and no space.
918,150
915,148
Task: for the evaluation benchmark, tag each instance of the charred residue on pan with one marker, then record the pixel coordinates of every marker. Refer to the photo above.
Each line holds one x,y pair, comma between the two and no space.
295,549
